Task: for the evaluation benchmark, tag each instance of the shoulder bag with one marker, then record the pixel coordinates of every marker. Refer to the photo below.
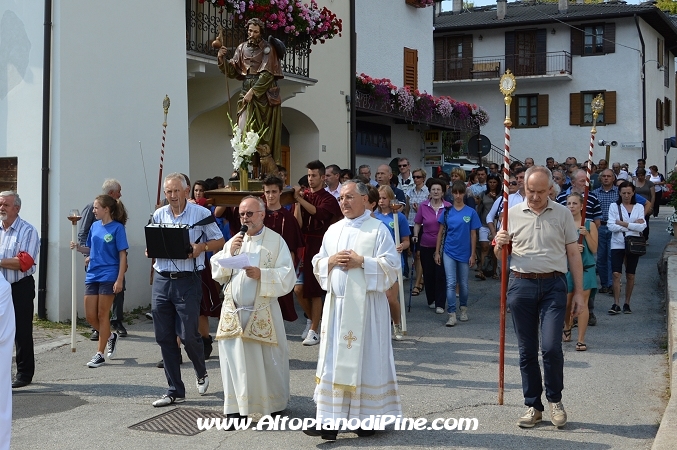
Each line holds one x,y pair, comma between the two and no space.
634,245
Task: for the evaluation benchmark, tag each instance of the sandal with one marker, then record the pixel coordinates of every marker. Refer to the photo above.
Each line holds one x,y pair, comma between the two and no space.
480,275
417,290
581,347
566,335
495,276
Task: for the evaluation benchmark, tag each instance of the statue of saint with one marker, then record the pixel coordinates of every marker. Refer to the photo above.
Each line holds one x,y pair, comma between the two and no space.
257,64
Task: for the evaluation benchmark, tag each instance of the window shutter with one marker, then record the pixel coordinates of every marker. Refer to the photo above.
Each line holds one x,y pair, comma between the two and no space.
440,58
667,111
509,51
609,107
541,49
609,38
659,114
467,55
411,68
543,110
576,42
575,108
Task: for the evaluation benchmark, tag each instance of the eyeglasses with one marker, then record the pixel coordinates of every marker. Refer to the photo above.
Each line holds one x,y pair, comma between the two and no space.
403,165
349,198
513,183
418,176
249,213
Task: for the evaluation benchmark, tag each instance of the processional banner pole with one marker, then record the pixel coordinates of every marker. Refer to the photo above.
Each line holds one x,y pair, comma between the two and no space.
597,107
507,86
165,106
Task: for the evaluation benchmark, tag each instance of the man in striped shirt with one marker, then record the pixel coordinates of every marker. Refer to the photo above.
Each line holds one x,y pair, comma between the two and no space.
19,246
177,290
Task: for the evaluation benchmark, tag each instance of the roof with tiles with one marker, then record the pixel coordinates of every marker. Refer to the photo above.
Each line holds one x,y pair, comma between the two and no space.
532,13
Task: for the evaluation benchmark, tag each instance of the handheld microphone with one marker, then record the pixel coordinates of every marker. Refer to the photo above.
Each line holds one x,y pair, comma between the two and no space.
243,230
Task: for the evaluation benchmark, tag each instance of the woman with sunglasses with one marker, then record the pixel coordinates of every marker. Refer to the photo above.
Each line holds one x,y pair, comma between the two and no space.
487,200
415,197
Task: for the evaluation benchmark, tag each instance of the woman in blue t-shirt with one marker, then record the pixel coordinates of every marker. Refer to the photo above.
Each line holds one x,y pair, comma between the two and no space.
456,241
384,213
106,266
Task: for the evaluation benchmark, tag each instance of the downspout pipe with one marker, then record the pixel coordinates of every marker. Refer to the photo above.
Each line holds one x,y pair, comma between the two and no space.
44,196
641,40
353,74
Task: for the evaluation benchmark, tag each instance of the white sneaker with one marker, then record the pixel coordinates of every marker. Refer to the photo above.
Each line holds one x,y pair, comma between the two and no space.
312,339
439,310
431,306
202,385
464,314
397,328
305,332
452,320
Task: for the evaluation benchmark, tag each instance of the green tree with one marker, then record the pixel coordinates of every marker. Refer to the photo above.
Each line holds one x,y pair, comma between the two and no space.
667,5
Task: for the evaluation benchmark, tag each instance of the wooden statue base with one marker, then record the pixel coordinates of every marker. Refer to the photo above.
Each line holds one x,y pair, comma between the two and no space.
227,197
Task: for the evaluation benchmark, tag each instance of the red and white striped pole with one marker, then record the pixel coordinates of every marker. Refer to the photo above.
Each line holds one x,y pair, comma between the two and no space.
597,106
507,85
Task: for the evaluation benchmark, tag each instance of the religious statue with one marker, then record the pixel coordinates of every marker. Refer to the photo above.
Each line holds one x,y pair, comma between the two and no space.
257,64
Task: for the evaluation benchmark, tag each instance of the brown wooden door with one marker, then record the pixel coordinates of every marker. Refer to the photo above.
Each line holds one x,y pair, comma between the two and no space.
525,52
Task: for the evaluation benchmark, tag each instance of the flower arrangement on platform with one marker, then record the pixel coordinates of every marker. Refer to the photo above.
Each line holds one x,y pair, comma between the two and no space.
420,106
291,18
244,146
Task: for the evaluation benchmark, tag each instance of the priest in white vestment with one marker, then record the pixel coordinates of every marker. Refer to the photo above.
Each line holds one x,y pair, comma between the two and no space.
356,264
7,328
253,351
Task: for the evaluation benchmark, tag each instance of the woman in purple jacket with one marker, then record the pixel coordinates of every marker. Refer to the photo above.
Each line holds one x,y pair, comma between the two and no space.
427,217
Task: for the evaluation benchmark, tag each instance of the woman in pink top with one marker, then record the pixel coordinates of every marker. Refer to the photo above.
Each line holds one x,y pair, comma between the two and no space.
427,215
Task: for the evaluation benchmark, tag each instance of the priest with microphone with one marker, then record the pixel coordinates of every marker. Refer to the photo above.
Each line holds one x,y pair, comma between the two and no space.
253,351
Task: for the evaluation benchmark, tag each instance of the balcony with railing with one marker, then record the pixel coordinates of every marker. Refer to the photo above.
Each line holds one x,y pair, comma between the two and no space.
541,66
205,20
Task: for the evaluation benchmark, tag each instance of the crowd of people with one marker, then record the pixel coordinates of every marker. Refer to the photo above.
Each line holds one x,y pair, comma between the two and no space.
335,247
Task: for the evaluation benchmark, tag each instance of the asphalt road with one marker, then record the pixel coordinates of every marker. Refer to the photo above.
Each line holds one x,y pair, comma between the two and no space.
614,393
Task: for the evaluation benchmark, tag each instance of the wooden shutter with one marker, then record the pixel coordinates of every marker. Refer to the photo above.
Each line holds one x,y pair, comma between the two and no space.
659,114
609,107
575,108
411,68
440,58
541,49
509,51
467,55
609,45
542,119
667,112
576,41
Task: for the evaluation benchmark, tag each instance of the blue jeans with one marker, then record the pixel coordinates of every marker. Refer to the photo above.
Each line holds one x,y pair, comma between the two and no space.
176,307
604,256
531,302
457,272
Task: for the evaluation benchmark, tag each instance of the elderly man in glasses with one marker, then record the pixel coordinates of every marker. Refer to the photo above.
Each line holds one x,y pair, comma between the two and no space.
253,350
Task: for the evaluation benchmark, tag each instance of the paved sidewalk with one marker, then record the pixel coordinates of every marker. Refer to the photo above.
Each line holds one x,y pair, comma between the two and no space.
614,393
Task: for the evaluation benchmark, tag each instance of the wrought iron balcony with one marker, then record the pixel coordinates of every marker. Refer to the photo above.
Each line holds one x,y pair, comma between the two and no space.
550,64
371,104
204,20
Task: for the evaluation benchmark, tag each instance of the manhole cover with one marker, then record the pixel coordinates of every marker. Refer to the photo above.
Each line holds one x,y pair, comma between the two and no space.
181,421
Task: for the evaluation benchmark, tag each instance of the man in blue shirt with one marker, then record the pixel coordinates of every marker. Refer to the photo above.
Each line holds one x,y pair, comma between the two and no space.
177,290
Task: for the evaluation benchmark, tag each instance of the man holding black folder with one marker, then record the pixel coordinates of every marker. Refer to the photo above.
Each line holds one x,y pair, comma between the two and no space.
177,290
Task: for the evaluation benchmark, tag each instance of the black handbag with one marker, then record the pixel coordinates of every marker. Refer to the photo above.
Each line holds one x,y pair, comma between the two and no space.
634,245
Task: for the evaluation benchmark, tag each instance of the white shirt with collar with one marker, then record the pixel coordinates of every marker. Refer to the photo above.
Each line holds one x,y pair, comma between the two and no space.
336,193
406,184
